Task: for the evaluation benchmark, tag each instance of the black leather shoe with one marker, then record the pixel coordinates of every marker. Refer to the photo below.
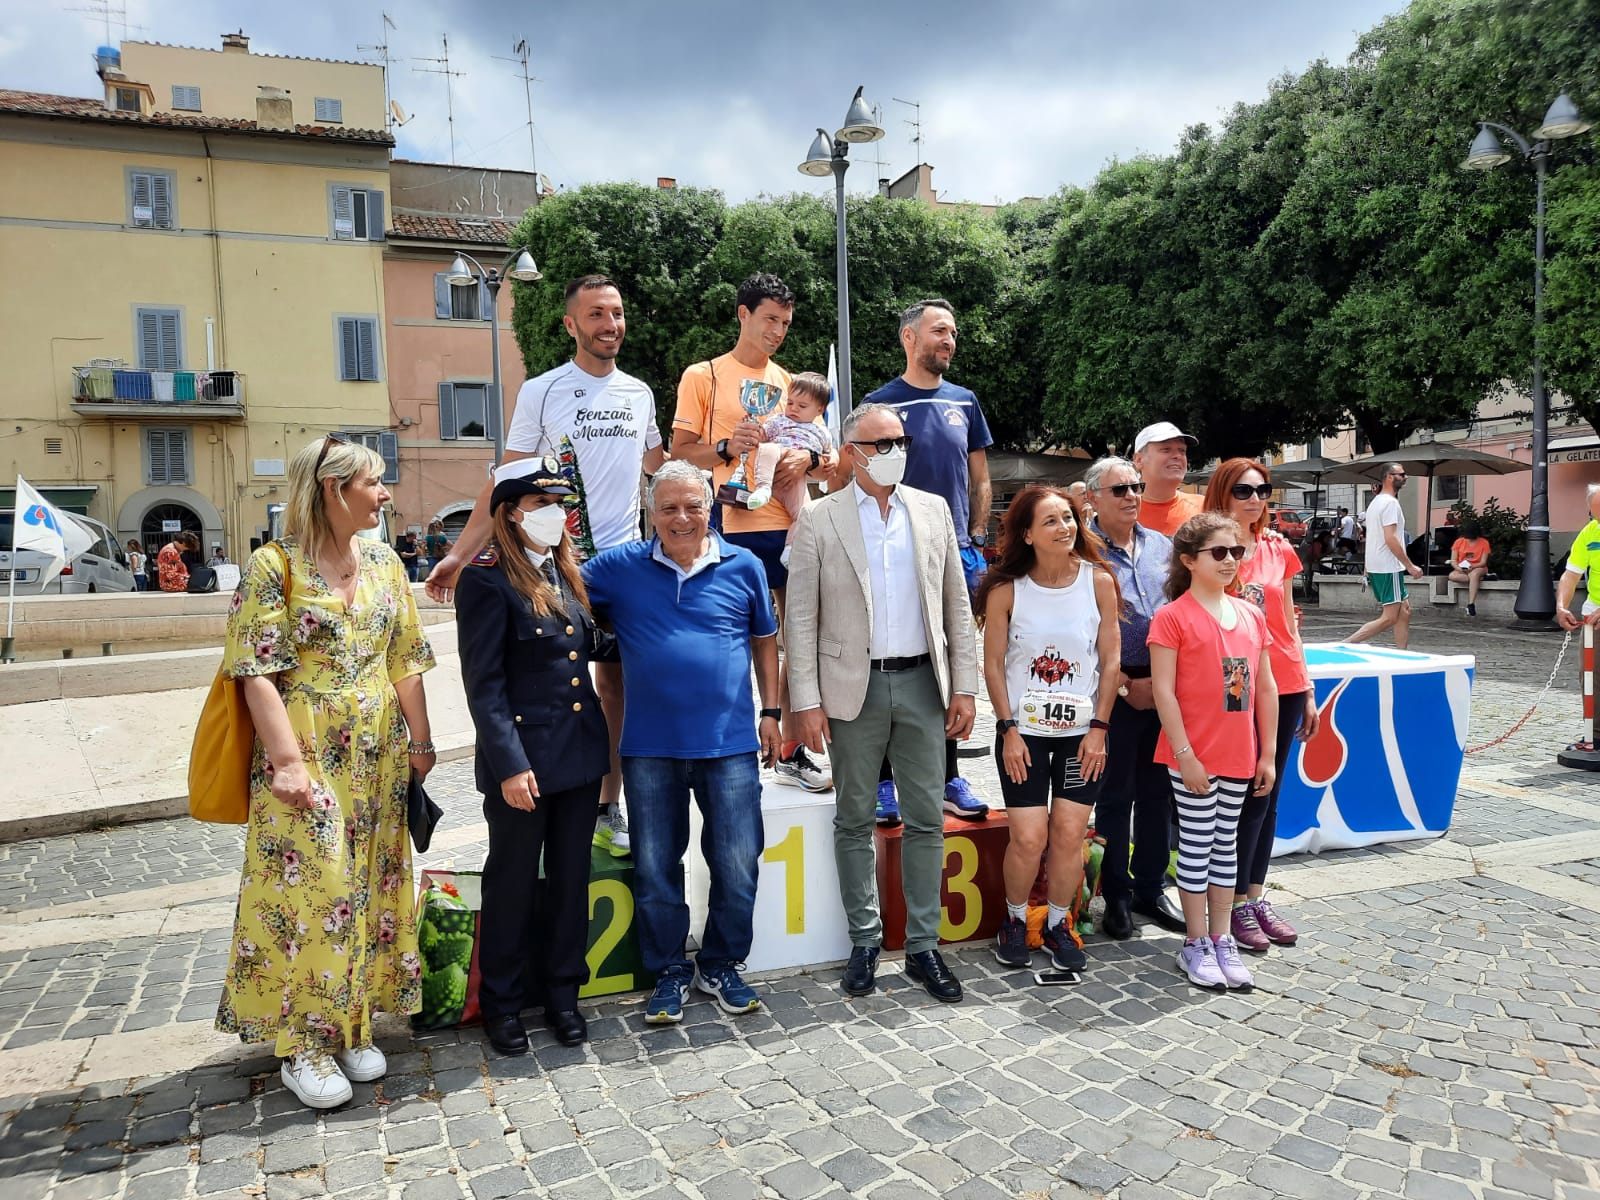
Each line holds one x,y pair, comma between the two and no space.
927,968
1118,921
507,1035
568,1025
1164,911
861,972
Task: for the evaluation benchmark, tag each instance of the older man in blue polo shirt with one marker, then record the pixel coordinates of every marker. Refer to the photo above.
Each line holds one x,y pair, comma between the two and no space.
690,611
1135,790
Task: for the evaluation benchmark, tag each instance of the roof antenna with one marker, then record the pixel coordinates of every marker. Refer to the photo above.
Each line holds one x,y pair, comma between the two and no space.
381,49
916,127
521,52
449,100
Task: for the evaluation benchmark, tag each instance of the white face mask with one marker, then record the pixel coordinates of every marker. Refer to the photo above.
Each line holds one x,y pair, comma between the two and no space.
887,469
544,525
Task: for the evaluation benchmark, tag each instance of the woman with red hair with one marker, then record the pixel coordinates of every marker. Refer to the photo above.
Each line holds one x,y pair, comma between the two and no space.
1239,488
1052,645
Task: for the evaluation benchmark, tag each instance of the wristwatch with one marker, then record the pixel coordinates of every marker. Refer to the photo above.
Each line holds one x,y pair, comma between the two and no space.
980,539
722,451
1003,726
816,460
775,713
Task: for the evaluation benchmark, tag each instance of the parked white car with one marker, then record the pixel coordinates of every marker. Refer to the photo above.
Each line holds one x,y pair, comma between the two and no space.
103,567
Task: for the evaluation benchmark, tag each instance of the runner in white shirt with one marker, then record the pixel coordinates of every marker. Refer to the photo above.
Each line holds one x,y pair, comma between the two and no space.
1387,561
600,422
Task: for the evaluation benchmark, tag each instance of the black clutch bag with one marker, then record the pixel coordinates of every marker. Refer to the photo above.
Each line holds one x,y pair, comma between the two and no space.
422,814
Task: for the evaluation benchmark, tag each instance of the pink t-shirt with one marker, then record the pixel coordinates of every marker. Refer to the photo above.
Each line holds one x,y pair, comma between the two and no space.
1216,683
1263,577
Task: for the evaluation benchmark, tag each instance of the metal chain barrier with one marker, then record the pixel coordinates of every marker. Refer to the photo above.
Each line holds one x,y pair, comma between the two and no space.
1537,700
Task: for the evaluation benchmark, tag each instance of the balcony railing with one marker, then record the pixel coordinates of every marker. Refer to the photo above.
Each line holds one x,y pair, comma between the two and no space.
111,389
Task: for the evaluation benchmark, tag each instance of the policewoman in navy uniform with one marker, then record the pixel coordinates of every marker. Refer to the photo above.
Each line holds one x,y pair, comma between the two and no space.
526,639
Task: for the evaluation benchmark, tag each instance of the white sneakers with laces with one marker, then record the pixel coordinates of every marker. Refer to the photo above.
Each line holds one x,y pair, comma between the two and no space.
316,1079
362,1065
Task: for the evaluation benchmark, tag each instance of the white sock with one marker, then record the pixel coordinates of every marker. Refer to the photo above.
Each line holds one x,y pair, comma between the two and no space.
1017,912
1055,916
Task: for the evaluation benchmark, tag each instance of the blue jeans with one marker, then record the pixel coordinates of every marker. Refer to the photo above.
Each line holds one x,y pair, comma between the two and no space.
728,791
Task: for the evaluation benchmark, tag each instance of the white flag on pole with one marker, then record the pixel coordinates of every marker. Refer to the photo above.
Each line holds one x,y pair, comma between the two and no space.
39,525
833,417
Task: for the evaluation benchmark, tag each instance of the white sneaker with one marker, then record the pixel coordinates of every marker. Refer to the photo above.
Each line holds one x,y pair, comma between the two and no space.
611,831
803,771
1231,964
316,1079
362,1065
758,498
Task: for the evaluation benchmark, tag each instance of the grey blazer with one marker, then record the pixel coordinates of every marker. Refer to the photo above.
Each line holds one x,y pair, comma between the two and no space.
828,606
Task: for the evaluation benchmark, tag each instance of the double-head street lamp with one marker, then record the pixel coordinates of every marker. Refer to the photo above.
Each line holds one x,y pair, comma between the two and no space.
518,265
830,155
1536,599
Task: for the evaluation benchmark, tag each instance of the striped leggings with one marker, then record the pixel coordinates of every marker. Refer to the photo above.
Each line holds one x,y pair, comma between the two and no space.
1208,827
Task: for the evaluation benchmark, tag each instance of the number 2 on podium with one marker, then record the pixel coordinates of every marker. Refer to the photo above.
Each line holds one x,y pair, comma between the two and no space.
791,852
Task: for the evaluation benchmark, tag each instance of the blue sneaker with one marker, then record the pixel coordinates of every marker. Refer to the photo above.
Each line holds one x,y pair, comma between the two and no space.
724,985
961,801
665,1006
888,814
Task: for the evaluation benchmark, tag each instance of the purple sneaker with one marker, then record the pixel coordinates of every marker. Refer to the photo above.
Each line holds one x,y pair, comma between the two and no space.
1247,930
1231,965
1278,931
1198,960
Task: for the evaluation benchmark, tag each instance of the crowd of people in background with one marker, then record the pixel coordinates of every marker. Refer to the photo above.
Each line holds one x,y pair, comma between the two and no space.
1140,646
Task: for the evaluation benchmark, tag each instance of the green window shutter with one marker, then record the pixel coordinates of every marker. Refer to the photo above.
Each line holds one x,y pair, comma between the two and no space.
447,412
171,353
375,216
441,296
149,340
177,456
157,456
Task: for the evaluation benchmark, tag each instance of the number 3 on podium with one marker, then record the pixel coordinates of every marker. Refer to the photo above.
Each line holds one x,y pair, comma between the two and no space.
791,853
961,883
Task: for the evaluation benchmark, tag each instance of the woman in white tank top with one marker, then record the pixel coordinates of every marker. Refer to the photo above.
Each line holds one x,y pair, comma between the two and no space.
1049,610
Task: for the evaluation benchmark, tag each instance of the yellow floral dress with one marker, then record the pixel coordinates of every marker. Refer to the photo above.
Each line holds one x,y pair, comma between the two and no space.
325,932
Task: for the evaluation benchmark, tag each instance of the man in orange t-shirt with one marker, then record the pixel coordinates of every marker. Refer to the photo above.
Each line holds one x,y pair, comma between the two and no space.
1161,452
1469,561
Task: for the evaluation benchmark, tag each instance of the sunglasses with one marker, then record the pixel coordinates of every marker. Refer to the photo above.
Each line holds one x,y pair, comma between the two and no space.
1223,553
1119,490
1243,491
884,445
328,443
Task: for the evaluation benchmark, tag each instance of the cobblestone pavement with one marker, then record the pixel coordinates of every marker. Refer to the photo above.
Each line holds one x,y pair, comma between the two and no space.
1435,1034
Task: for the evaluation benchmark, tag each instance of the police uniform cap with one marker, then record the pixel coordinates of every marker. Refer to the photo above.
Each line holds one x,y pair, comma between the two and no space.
537,476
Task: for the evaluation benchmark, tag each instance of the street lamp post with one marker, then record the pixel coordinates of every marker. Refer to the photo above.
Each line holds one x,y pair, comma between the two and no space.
1536,598
518,265
831,156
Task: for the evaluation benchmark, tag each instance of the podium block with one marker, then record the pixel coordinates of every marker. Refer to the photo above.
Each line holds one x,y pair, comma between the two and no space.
613,952
973,892
798,918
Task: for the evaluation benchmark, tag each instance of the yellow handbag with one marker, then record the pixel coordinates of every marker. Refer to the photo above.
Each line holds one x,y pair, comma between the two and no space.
224,742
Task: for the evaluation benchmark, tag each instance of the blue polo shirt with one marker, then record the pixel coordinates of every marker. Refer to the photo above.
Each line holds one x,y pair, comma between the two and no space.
946,424
1143,580
685,643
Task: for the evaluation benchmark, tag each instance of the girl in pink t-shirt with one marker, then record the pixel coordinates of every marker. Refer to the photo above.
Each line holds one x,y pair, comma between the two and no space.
1218,704
1239,489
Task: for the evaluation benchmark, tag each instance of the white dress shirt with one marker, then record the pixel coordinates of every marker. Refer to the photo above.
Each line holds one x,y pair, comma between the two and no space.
897,626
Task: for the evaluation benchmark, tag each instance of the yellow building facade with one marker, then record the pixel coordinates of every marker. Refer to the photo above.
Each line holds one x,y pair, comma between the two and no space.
204,287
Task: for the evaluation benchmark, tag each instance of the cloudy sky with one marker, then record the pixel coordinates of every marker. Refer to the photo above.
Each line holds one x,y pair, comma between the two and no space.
1016,98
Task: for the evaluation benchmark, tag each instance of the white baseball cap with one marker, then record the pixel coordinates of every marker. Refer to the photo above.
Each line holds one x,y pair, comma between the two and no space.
1161,431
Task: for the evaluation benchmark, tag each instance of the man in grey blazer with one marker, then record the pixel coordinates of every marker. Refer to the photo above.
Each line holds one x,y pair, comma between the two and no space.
882,659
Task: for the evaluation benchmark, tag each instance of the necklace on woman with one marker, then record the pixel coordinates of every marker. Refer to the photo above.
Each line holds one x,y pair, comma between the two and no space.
344,574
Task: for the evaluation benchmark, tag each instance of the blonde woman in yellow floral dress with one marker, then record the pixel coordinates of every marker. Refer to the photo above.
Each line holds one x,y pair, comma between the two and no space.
325,934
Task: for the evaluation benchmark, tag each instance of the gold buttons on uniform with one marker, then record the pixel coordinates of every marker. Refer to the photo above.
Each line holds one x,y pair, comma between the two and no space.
573,655
577,708
574,681
569,628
